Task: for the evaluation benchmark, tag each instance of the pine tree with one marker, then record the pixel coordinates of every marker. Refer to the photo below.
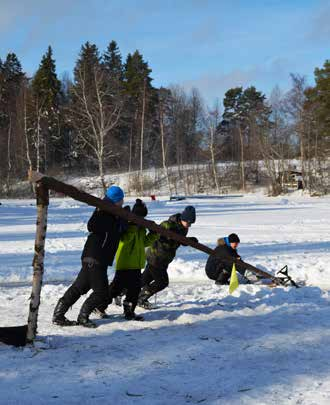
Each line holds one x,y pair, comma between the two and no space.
11,83
241,105
12,69
84,71
136,74
317,130
11,76
112,62
2,90
46,90
141,109
247,115
319,96
45,84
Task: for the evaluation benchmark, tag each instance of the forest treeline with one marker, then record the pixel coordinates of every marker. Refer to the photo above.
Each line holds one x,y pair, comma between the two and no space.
108,117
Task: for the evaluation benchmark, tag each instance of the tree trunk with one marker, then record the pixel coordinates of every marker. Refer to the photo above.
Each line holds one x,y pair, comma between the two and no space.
28,157
8,180
27,144
101,173
302,153
242,157
38,139
214,167
142,135
42,196
45,165
162,137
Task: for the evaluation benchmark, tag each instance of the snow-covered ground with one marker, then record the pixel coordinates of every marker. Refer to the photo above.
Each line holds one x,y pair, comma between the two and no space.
202,345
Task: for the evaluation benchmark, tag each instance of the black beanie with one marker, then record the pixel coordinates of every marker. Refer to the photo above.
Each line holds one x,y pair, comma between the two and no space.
189,214
233,238
140,208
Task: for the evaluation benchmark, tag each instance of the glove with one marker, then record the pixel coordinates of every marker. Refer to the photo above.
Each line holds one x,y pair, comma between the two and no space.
193,239
127,208
123,226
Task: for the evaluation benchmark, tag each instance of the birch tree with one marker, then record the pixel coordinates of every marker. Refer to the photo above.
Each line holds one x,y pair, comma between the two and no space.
213,118
164,97
97,108
295,100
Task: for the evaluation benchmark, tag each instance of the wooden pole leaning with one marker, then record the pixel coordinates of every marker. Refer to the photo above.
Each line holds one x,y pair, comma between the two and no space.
66,189
42,196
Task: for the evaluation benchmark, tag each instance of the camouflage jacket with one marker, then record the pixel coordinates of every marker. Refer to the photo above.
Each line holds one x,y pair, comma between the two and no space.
163,250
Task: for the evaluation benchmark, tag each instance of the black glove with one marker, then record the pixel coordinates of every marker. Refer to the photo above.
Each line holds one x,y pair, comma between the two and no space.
193,239
127,208
154,232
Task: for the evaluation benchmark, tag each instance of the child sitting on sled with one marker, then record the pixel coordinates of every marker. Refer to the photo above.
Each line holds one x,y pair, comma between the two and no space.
220,270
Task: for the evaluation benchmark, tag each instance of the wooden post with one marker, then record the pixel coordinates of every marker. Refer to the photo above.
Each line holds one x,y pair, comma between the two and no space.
42,195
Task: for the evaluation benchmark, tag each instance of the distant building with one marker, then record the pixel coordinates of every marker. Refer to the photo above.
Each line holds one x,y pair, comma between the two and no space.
291,179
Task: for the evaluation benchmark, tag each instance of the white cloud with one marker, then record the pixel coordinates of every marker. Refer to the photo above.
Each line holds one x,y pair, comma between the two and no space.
213,85
320,27
8,13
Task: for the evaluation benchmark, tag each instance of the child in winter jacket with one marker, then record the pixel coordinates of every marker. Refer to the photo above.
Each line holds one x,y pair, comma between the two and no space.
130,259
104,234
220,270
161,254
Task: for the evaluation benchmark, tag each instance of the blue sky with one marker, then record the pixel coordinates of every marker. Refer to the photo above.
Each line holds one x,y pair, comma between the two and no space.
210,44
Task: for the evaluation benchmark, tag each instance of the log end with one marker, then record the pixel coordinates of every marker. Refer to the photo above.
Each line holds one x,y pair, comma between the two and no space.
34,176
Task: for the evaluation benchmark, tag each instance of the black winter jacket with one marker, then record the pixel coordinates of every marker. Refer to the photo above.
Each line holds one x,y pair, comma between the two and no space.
215,265
102,242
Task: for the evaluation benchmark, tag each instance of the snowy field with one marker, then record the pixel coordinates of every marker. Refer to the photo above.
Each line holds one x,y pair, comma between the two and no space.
202,345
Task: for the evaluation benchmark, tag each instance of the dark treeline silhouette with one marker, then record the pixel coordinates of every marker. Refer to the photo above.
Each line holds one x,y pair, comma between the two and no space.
108,117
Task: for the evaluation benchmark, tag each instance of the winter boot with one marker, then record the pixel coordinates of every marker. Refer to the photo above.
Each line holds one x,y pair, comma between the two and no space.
58,316
83,317
129,313
143,299
146,305
118,299
101,313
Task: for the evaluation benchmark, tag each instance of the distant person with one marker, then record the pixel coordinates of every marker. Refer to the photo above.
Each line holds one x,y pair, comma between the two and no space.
161,254
130,259
99,251
220,270
300,184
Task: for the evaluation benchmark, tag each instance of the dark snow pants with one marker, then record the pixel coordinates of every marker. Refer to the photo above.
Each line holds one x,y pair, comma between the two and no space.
215,270
221,276
128,280
92,276
154,278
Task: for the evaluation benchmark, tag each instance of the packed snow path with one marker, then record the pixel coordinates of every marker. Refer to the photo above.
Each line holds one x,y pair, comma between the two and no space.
258,346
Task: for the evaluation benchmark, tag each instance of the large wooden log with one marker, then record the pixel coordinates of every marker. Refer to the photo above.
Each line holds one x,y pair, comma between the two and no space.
71,191
42,196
